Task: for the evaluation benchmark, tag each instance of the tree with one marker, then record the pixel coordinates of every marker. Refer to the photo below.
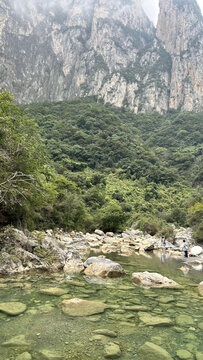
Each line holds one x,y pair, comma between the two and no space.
22,157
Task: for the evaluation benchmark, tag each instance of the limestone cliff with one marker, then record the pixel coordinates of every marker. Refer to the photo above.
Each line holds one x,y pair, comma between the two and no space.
60,50
180,28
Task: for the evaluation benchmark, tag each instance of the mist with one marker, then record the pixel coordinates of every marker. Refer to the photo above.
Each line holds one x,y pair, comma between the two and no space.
151,7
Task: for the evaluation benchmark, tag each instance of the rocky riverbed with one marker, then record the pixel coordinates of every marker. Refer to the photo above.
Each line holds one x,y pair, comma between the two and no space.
132,308
58,250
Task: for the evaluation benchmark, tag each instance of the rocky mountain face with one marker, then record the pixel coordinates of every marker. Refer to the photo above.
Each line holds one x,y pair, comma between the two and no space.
73,48
183,40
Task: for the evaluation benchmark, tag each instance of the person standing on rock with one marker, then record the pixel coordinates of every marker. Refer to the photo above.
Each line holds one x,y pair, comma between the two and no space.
185,249
163,241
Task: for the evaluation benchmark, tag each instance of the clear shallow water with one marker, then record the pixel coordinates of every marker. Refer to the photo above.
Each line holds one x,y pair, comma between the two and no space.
46,327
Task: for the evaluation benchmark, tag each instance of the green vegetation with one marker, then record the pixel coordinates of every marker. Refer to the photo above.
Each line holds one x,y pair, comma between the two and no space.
31,192
22,157
107,167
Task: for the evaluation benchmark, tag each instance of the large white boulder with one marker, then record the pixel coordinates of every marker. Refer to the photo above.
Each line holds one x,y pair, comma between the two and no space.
154,280
99,232
196,251
102,267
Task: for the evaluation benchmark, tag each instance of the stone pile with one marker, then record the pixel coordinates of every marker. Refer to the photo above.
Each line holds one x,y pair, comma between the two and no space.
56,250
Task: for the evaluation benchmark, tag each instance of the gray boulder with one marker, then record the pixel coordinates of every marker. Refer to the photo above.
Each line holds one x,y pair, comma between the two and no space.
150,351
102,267
154,280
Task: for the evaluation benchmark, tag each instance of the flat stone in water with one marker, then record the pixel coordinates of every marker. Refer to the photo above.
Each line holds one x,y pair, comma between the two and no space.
53,291
17,341
200,325
24,356
101,338
190,336
112,350
106,332
79,307
135,301
50,355
93,318
130,316
157,340
149,320
166,299
181,305
184,320
150,351
136,308
13,308
184,355
45,308
128,324
126,288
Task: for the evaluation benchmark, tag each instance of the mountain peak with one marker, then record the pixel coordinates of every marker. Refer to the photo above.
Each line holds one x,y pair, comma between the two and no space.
62,49
179,21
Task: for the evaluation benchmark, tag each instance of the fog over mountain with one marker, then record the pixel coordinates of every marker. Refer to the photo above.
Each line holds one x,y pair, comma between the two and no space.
151,7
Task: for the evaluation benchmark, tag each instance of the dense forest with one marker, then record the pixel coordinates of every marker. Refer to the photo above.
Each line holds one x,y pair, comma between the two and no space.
82,165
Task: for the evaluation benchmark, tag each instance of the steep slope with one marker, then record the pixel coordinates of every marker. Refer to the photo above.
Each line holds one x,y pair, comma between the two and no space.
67,49
132,166
180,28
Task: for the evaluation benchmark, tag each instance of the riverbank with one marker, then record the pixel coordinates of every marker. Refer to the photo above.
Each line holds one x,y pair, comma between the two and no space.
58,250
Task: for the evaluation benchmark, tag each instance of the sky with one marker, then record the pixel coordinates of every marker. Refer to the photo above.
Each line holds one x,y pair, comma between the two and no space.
151,7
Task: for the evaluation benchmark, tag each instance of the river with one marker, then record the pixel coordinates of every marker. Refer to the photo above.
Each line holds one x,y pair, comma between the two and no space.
50,334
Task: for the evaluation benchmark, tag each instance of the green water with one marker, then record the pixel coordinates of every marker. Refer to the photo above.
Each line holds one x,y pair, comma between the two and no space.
46,327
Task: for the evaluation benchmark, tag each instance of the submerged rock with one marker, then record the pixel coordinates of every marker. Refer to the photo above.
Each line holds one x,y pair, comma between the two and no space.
200,288
17,341
136,308
50,355
150,320
99,338
79,307
184,320
13,308
105,332
102,267
112,350
153,280
96,318
166,299
184,355
150,351
53,291
24,356
75,283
